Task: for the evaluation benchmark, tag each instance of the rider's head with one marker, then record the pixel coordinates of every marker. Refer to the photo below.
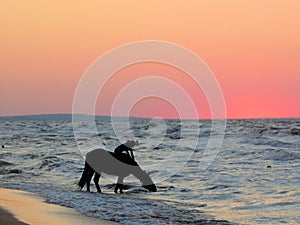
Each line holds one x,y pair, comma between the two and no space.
131,143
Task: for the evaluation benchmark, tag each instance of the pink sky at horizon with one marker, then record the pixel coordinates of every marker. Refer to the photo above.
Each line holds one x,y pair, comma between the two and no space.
252,47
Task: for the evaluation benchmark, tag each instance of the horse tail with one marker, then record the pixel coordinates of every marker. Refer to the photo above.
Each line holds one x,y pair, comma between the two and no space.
85,175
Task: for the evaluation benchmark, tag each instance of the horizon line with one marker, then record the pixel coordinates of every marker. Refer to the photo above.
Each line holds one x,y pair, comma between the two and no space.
142,117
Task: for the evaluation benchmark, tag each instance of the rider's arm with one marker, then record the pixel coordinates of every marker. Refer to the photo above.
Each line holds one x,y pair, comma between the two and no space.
131,153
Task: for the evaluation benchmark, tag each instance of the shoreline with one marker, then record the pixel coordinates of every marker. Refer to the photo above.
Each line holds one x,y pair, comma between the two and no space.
7,217
21,208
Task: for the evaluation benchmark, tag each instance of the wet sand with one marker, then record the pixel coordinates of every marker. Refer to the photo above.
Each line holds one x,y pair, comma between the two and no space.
20,208
7,218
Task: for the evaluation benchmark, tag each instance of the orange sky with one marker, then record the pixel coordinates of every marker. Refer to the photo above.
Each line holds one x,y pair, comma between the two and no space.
253,48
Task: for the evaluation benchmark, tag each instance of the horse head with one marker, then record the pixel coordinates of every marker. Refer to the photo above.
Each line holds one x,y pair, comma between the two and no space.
145,179
150,187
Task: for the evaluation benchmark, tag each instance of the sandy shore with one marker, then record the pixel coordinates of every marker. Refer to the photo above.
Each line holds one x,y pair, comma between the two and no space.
7,218
28,208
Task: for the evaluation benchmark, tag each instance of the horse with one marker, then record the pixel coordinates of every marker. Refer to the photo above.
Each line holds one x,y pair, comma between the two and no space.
100,160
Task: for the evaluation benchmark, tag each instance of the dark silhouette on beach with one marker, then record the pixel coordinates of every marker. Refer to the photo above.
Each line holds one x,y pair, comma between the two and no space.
118,164
127,148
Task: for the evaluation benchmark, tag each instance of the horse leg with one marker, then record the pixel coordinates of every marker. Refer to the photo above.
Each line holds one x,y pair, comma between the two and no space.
85,176
96,181
116,188
88,180
119,185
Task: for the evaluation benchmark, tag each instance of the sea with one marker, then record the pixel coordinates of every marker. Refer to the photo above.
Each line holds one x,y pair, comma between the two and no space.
251,176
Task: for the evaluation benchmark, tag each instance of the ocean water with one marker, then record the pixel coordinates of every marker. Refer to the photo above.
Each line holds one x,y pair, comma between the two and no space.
254,178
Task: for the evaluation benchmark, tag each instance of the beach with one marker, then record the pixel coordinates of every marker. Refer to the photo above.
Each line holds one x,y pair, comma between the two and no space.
20,208
7,218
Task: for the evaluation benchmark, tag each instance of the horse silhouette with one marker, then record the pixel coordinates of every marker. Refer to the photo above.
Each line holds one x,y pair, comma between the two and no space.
121,165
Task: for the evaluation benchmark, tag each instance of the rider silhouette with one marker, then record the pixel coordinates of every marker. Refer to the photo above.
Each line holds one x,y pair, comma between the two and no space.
127,158
127,148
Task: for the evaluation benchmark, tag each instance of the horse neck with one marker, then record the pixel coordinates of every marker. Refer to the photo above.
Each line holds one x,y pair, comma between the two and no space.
142,176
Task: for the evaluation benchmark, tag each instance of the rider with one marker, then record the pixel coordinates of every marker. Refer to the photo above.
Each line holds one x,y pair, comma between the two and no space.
126,147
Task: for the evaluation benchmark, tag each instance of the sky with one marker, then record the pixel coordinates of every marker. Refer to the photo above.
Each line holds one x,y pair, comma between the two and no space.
251,46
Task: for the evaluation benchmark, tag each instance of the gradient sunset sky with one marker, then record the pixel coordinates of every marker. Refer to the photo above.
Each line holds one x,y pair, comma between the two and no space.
252,46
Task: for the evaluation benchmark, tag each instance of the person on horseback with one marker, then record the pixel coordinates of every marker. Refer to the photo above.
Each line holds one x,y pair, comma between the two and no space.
126,157
127,148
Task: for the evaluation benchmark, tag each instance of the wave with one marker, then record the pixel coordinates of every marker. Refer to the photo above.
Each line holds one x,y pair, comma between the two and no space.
295,131
5,168
50,162
4,163
281,155
220,186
